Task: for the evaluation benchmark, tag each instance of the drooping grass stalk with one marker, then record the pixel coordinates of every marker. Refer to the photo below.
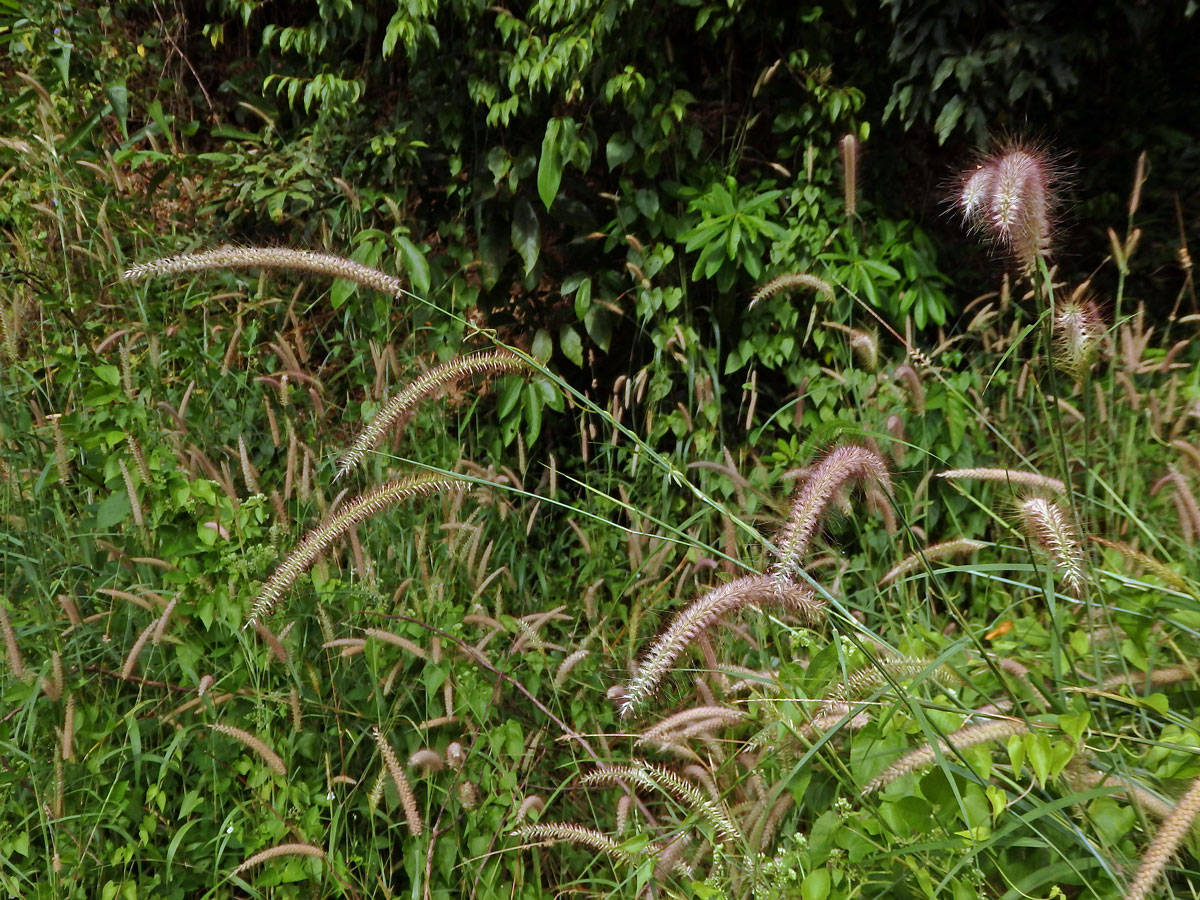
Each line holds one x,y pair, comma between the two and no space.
353,513
407,800
1175,828
273,760
569,832
846,464
280,850
490,362
662,779
934,551
12,652
789,282
1047,525
958,740
229,257
1008,476
702,614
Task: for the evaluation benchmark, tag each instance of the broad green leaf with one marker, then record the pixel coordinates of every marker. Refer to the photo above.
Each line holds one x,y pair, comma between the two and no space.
415,264
549,174
526,234
571,345
619,150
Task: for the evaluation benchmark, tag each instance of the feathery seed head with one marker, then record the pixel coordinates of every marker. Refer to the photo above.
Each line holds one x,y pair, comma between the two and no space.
1047,524
1078,330
1008,197
844,465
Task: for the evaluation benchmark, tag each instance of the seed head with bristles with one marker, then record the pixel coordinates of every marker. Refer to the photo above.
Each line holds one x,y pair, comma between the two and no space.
319,539
790,282
1175,828
851,463
460,367
1047,525
702,614
229,257
1078,330
1008,198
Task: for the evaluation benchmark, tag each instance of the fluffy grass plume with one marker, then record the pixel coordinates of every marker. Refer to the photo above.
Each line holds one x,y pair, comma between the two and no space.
490,362
849,148
664,780
1175,828
958,740
280,850
1008,199
407,800
1047,524
842,466
265,753
319,539
229,257
1008,476
569,832
12,653
702,614
790,282
1078,330
945,549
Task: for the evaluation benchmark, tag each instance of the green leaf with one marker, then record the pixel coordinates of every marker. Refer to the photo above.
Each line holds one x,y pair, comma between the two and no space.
112,510
415,264
118,96
618,150
542,347
571,345
549,174
526,234
583,298
948,118
816,884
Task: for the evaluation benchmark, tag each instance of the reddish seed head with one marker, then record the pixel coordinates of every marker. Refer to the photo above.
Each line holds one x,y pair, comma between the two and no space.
1008,198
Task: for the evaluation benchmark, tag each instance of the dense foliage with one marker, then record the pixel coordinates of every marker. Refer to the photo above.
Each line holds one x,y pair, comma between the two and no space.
703,237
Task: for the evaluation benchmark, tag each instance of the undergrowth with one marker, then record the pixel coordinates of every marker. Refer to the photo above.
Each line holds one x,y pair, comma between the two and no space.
943,645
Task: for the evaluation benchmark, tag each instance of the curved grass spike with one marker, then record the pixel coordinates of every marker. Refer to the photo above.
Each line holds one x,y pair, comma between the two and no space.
353,513
1009,476
230,257
845,464
423,386
1047,524
569,832
702,614
280,850
918,759
1175,828
664,780
790,282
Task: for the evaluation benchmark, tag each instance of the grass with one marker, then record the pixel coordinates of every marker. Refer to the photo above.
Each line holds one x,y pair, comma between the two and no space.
420,718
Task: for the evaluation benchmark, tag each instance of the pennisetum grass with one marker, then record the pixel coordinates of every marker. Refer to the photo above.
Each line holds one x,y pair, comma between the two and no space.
1171,834
663,779
277,851
702,614
320,538
791,282
407,800
970,736
844,465
229,257
273,760
1047,525
491,362
1008,476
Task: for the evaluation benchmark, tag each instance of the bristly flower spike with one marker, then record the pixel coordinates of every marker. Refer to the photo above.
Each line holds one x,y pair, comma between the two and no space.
1009,198
851,463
